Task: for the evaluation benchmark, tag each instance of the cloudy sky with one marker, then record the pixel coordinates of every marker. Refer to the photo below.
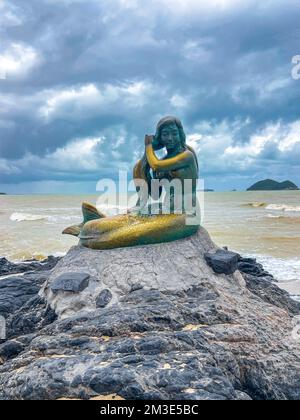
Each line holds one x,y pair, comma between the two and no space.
82,81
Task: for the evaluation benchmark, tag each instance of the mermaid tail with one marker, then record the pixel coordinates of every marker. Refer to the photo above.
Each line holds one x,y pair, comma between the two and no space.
100,232
89,213
128,230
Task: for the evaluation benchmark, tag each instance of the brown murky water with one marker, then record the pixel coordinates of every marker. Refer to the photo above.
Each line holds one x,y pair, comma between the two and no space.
263,224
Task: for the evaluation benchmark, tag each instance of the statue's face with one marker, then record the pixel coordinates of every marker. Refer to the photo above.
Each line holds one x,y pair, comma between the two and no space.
170,136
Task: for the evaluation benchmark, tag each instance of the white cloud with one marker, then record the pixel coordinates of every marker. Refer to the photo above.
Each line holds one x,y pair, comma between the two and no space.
215,144
186,6
219,152
70,101
17,61
210,140
290,138
89,100
281,137
179,101
82,154
8,168
198,50
9,15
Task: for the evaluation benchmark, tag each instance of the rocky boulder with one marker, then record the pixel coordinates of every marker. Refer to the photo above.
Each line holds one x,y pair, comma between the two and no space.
15,291
8,268
222,261
154,322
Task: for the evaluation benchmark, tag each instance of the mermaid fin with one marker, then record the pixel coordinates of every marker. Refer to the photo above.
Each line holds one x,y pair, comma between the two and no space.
91,213
73,230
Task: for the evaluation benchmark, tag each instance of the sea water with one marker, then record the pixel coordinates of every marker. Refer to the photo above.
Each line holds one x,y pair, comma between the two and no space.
265,225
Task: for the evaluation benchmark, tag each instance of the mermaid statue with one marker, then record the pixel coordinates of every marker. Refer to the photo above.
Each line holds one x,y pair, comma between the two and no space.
175,217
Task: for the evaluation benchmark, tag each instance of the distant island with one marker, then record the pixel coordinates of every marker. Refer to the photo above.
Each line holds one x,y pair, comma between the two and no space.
271,185
2,193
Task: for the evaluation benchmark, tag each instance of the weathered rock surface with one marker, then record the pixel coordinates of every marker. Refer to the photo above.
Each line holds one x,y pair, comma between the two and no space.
252,267
222,261
169,328
7,267
104,298
272,294
17,290
70,282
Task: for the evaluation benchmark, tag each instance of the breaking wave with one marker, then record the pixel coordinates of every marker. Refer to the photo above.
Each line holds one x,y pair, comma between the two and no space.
274,207
22,217
284,217
284,270
283,207
28,217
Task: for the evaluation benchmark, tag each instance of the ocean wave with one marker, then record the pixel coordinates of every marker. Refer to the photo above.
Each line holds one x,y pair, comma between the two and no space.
283,208
275,216
274,207
22,217
285,219
283,269
28,217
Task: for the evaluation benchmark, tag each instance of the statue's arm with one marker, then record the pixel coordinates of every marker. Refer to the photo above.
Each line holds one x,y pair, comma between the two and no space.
171,164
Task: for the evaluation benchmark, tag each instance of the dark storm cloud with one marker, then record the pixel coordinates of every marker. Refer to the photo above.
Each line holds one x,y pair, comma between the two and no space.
78,70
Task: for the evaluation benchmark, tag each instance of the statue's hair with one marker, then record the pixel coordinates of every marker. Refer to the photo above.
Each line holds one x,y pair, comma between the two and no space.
161,124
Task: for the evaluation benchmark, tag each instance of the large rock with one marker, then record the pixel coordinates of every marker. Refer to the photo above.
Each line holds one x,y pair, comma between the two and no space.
8,268
270,293
171,329
252,267
70,282
17,290
222,261
169,267
31,317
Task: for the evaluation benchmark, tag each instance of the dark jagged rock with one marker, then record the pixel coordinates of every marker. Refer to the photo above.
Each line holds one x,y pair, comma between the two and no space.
104,298
252,267
10,349
31,317
245,265
222,261
184,333
16,291
7,267
70,282
272,294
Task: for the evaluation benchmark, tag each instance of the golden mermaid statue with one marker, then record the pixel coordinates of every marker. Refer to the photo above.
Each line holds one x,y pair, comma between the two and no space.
176,217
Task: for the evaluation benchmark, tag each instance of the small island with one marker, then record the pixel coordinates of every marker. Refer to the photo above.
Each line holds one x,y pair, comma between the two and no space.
271,185
2,193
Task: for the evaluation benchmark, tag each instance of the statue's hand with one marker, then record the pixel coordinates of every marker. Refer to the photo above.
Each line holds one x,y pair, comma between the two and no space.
148,140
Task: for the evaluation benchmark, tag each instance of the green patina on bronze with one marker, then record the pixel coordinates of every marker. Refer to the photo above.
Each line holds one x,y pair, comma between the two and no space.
140,226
